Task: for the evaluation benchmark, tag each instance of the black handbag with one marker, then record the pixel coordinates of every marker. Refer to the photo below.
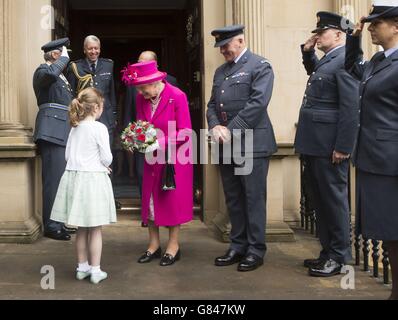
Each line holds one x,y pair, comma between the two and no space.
168,179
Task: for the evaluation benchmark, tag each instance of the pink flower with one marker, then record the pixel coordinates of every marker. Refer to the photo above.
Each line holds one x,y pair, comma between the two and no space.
129,75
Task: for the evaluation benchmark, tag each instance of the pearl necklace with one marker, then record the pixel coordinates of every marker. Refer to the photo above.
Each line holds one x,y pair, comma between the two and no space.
155,101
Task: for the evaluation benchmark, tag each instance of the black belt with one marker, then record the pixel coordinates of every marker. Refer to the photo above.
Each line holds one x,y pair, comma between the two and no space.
54,106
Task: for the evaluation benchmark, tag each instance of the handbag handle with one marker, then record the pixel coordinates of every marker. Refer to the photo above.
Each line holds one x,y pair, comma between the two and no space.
167,158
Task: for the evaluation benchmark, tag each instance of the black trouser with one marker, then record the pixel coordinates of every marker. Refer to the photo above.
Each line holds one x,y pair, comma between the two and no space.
329,187
53,167
246,203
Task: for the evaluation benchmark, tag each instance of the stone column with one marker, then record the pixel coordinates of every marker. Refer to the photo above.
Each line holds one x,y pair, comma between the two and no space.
9,108
354,10
252,14
18,222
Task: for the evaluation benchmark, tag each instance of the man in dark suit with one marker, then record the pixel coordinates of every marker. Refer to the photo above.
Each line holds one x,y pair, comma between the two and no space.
325,139
96,72
54,94
130,112
237,110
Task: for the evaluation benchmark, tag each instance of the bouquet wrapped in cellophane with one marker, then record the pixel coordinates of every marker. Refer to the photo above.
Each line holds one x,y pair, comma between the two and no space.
140,136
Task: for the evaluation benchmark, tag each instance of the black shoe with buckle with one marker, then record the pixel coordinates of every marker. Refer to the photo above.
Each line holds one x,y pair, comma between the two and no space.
148,256
313,263
250,263
328,269
230,258
169,260
59,235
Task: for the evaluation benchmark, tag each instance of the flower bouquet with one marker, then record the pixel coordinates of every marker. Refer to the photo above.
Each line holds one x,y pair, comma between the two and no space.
140,136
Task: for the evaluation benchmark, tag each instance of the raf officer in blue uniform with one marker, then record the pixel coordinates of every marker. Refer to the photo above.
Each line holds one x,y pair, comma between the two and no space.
325,139
54,94
376,152
241,93
96,72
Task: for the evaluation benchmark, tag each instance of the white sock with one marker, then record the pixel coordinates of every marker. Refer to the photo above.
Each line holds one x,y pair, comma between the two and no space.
95,270
84,267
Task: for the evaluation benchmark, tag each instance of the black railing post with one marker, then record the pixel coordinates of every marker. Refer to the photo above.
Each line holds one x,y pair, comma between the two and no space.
349,205
302,197
375,257
312,220
366,251
357,246
386,265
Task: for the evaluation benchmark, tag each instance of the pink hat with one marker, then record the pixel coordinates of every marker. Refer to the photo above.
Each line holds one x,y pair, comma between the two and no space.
142,73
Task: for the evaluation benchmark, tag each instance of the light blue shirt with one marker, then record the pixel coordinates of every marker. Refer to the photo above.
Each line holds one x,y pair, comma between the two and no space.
389,52
334,49
241,55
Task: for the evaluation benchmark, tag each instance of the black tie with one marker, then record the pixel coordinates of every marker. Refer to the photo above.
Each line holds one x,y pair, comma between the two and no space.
378,61
381,59
93,68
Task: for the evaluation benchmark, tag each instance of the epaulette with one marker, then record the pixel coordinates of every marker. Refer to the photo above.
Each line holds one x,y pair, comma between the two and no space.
106,60
77,62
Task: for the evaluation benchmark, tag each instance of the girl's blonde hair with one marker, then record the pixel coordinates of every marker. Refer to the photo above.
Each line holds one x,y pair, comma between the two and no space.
84,105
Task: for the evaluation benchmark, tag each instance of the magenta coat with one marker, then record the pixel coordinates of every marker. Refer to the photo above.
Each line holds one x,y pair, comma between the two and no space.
172,208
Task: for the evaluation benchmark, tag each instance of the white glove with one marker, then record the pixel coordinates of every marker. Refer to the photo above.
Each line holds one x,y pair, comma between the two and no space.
64,52
153,147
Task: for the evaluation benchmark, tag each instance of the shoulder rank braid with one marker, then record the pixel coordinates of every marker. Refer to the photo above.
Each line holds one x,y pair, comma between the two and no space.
84,82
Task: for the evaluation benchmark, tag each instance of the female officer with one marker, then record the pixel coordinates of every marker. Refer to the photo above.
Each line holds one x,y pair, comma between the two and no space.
376,154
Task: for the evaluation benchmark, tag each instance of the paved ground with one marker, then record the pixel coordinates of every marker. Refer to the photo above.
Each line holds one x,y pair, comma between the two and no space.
194,277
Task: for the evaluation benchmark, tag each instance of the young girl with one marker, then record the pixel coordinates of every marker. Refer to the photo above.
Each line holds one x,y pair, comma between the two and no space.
85,196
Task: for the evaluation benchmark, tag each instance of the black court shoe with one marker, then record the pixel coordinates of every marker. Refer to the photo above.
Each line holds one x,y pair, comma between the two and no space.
169,260
148,256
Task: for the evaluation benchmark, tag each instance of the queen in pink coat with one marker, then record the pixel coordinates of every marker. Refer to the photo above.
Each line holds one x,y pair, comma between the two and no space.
166,107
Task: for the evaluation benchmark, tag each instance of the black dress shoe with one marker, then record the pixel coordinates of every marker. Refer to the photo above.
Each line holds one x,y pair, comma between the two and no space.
169,260
148,256
69,230
60,235
230,258
313,263
329,268
250,263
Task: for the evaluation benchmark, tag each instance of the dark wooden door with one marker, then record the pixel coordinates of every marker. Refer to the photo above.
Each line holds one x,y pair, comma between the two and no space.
175,35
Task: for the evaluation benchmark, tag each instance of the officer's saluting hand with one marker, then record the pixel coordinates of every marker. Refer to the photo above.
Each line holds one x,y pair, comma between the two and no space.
311,43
